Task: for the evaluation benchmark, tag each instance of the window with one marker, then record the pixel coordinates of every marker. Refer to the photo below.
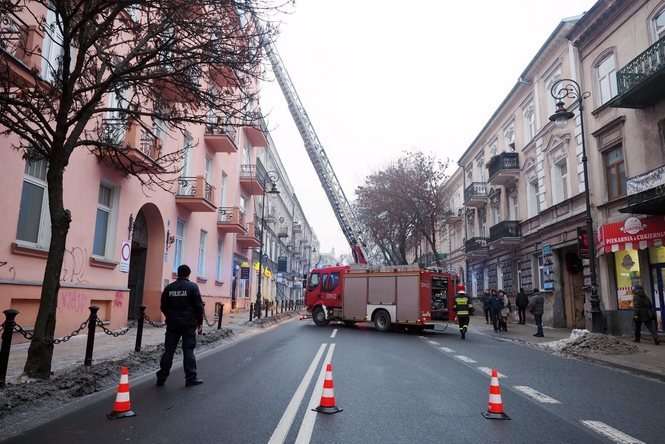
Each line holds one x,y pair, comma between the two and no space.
330,282
134,12
529,123
615,171
313,281
509,136
188,144
560,181
532,195
551,103
493,148
538,272
513,206
222,191
658,24
220,253
201,265
179,244
243,205
606,78
34,224
52,49
102,240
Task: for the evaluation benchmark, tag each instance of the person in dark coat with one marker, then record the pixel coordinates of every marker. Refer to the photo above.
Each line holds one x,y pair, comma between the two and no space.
643,313
522,303
182,306
537,308
485,298
495,306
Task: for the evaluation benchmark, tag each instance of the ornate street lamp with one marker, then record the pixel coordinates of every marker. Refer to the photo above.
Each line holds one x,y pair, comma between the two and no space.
274,178
569,88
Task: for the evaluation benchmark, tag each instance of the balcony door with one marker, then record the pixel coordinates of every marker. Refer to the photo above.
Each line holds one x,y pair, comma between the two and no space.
187,187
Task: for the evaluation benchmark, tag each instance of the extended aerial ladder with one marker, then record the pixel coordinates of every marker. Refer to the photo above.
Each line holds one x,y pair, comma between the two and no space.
346,216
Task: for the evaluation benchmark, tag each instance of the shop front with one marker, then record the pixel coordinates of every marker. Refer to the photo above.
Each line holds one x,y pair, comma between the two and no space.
635,255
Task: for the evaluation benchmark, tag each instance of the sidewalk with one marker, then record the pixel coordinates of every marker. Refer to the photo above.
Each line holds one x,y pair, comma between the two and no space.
71,353
649,360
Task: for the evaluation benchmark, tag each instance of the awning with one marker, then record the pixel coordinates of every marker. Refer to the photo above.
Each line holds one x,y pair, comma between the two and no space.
632,234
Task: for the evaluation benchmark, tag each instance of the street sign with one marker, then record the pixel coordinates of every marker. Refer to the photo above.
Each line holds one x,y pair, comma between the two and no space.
125,254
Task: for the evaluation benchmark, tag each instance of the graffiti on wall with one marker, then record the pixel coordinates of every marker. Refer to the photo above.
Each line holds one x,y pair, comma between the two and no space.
72,300
118,299
74,266
7,271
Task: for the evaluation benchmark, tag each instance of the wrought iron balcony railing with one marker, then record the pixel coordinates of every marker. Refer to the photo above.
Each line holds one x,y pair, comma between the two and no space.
476,244
476,190
13,35
503,162
507,229
196,187
650,62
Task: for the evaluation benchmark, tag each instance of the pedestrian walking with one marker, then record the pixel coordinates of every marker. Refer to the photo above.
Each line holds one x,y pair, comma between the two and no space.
504,314
485,298
463,309
537,308
495,305
182,306
643,313
522,302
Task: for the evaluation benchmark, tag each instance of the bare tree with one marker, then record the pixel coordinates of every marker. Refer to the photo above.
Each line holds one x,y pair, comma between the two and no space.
111,75
405,203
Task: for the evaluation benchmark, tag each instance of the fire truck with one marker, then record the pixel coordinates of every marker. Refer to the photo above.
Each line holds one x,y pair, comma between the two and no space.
386,296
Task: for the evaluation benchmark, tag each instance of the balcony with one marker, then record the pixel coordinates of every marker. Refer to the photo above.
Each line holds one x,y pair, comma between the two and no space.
220,138
17,66
253,178
475,194
256,133
504,168
646,193
195,194
506,233
297,228
178,85
229,220
251,238
453,216
641,83
476,247
136,150
283,233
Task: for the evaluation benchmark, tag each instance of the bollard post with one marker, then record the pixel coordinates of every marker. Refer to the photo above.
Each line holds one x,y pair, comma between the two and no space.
219,318
7,333
251,311
90,344
139,329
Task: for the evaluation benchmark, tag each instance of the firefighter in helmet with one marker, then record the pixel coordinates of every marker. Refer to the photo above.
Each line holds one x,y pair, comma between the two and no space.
463,309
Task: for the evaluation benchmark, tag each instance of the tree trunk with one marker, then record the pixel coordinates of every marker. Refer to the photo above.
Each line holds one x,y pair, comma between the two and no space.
40,354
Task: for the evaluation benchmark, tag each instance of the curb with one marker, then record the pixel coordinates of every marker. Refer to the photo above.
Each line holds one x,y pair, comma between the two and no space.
582,357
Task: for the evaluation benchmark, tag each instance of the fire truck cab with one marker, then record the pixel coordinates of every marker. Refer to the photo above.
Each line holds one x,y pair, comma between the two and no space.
385,296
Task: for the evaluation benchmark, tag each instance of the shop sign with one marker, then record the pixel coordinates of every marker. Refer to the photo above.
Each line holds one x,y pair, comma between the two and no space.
244,270
646,181
632,233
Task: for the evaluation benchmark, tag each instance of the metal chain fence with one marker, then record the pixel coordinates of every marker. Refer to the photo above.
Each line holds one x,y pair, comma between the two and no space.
205,319
153,323
51,341
115,334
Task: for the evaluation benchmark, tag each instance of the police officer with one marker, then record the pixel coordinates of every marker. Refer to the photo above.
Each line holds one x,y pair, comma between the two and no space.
183,307
462,309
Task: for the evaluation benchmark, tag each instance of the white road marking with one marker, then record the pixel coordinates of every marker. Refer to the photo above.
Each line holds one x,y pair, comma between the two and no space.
433,342
488,372
282,429
611,433
333,334
535,394
465,359
422,337
447,350
307,426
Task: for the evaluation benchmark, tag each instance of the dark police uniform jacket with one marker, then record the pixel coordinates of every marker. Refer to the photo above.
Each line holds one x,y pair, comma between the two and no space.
182,305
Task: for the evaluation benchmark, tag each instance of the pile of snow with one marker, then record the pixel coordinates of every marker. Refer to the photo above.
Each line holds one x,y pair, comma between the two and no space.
583,341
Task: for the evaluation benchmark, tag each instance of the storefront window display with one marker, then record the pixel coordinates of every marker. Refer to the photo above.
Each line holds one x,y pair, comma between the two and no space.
627,269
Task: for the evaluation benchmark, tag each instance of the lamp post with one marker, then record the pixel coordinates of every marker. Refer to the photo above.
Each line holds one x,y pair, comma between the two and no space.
274,178
569,88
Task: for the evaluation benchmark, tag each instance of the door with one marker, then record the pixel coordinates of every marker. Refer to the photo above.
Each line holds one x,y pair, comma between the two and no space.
658,297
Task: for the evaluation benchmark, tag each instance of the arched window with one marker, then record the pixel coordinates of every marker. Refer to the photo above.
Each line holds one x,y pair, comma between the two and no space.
529,123
606,78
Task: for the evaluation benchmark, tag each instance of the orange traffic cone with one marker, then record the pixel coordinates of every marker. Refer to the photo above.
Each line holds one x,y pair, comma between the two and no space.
495,405
122,408
327,404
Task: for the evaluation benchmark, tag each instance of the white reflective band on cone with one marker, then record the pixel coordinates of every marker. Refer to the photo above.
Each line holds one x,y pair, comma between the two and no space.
122,397
328,393
124,379
495,399
494,382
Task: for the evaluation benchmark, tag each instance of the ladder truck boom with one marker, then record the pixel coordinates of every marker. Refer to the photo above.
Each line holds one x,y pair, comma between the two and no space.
346,216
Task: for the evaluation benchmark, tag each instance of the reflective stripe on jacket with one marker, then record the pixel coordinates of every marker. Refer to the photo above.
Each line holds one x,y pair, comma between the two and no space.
462,306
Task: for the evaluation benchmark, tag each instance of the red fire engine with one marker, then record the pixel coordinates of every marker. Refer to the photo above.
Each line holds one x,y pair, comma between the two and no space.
386,295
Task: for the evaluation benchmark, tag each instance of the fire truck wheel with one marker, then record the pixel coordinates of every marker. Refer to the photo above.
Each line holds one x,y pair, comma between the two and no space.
319,317
382,320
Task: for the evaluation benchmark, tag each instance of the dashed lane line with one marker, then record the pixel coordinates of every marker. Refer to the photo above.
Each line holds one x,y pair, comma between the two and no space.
465,359
282,429
333,334
535,394
488,372
611,433
307,426
446,349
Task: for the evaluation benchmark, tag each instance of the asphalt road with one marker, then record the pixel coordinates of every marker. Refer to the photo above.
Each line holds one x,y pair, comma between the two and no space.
393,387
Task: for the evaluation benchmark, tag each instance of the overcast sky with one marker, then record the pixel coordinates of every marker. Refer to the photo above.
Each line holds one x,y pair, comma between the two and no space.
379,77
